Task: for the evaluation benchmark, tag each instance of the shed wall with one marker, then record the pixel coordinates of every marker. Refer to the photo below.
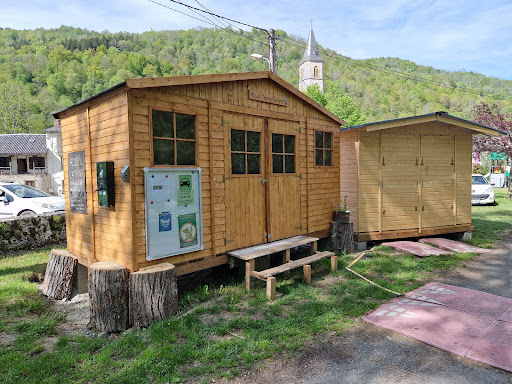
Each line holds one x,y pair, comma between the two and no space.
102,132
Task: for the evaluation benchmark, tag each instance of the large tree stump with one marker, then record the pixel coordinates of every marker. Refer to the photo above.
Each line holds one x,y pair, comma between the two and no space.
59,275
342,237
153,294
108,293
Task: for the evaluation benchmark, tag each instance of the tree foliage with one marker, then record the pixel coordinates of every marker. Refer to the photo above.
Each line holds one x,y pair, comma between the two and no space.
51,69
492,116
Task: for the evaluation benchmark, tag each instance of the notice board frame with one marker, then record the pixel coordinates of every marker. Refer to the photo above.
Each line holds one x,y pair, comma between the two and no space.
149,208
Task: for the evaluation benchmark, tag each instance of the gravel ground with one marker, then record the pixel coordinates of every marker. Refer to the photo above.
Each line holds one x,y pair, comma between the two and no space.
368,354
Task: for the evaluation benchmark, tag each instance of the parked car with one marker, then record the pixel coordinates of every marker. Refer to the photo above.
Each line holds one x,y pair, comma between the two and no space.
19,199
481,191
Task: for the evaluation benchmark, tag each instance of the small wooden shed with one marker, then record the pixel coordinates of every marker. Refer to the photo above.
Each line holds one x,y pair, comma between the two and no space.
267,158
409,177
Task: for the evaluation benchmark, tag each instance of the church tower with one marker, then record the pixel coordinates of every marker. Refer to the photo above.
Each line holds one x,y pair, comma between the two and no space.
311,68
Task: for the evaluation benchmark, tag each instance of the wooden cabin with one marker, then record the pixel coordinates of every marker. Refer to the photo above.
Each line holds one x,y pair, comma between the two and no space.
409,177
266,157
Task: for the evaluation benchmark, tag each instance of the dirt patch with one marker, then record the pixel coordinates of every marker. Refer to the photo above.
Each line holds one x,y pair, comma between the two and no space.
76,312
6,338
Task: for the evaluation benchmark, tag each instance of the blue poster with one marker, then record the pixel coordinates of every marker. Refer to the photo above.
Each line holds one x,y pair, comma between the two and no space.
165,222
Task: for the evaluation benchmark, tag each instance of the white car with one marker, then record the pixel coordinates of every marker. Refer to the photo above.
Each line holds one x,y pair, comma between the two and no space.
19,199
481,191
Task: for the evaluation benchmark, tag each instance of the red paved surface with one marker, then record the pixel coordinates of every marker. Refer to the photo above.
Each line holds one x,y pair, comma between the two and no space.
463,299
452,245
417,249
458,320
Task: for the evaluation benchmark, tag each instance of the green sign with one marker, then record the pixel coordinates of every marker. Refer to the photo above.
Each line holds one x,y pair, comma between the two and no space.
185,191
188,230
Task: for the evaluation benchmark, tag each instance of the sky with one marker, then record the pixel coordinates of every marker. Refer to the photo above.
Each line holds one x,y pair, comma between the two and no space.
449,34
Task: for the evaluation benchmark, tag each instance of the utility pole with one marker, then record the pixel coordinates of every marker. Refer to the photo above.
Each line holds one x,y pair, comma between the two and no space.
272,50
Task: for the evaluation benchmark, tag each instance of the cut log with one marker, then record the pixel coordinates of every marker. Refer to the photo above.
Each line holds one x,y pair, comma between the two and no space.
108,293
59,275
153,294
342,237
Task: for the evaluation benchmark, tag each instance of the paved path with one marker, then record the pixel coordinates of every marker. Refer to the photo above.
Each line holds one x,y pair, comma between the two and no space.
368,354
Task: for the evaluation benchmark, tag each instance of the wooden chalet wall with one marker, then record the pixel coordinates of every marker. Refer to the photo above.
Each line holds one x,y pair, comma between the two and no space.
100,128
407,158
214,104
116,126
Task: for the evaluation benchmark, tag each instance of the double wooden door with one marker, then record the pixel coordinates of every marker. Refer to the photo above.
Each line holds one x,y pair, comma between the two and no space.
417,181
262,180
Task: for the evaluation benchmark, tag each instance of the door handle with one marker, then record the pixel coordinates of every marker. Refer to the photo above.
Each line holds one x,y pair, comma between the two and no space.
264,181
383,211
383,163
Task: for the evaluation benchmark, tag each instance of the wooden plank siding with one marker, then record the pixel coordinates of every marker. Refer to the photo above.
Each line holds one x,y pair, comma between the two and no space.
101,130
227,105
411,179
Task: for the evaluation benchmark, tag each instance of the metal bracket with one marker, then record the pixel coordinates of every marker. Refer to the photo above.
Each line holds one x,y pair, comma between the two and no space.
264,181
226,241
298,130
299,176
224,178
299,227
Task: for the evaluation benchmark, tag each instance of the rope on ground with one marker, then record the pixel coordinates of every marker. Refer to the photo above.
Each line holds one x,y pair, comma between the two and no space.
365,278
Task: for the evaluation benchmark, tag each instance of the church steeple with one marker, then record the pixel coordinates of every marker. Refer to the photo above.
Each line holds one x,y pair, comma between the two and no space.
311,68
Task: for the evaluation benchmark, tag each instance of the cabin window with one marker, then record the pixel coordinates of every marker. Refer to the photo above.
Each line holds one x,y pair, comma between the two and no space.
302,74
5,162
245,152
174,138
323,148
283,153
315,73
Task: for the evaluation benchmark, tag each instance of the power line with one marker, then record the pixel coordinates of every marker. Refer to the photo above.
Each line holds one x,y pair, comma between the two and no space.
207,9
183,13
219,16
200,15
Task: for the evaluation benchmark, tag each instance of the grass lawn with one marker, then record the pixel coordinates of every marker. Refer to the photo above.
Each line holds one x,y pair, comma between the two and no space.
222,330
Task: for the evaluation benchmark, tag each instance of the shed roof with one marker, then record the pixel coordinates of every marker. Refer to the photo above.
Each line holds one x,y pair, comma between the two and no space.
22,144
151,82
440,116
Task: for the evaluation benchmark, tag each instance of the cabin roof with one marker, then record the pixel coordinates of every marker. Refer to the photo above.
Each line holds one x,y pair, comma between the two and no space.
440,116
152,82
20,144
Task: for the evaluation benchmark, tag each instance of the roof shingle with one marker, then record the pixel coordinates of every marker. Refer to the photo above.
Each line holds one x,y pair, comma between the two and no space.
22,144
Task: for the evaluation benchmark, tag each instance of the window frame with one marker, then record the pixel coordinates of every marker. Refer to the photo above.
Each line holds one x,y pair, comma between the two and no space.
174,111
272,153
324,149
261,153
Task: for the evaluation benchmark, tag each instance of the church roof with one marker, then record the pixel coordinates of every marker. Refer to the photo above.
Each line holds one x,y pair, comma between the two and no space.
311,51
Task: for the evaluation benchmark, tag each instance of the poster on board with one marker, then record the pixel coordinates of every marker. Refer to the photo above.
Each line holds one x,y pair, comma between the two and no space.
173,209
76,182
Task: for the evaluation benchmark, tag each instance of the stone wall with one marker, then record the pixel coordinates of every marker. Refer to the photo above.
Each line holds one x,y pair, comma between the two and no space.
32,232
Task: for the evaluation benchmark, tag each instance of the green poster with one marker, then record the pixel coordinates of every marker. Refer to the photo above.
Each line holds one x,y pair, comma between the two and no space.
188,230
185,191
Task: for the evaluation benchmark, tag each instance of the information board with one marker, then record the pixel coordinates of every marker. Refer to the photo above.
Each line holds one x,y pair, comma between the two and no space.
76,182
174,214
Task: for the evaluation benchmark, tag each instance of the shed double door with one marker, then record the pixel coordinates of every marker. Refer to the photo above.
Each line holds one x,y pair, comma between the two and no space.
417,181
262,182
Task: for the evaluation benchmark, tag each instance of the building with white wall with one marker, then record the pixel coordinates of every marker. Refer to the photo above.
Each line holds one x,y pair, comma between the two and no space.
311,68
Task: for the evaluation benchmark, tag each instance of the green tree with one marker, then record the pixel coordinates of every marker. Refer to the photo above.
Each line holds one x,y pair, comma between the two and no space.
316,94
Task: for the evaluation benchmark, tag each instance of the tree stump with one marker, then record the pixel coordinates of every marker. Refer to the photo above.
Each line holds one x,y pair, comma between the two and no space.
342,237
153,294
59,275
108,293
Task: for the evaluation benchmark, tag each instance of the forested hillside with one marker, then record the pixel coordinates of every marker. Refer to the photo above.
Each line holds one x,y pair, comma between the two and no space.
46,70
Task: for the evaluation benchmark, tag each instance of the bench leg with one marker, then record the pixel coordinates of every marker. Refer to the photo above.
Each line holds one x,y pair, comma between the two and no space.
249,280
307,274
271,288
334,263
313,248
286,256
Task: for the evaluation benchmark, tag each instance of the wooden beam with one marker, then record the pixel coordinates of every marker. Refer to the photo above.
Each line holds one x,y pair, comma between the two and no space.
468,125
249,267
400,123
195,266
131,163
307,273
334,263
412,232
271,288
195,79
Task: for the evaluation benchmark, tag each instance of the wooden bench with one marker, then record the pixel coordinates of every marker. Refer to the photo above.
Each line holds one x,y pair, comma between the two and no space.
268,275
249,255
